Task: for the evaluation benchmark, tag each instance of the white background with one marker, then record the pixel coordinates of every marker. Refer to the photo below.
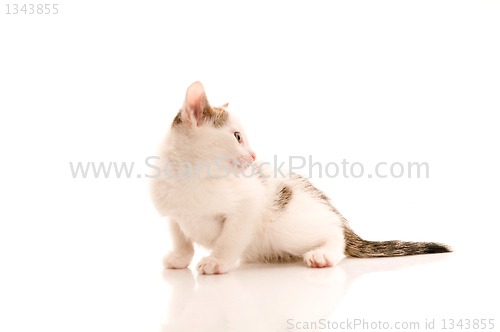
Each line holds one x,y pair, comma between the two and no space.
365,81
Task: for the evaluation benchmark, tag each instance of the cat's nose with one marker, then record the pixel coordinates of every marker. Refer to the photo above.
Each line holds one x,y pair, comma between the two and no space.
254,156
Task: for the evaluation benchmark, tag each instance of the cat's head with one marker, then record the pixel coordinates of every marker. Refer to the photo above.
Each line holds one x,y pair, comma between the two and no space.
206,132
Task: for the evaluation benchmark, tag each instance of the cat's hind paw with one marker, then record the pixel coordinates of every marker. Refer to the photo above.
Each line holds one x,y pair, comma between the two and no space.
321,258
174,260
212,265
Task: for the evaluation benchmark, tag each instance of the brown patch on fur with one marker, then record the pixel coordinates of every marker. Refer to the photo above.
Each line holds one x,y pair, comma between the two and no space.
177,120
215,115
284,197
283,257
222,219
309,187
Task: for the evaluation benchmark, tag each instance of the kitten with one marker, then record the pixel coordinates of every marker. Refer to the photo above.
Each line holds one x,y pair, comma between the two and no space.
261,218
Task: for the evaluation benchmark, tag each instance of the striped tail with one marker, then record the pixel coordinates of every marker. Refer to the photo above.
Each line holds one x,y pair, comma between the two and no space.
357,247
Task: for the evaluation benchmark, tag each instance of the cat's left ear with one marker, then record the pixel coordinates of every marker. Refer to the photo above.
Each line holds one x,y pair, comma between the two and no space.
225,106
195,104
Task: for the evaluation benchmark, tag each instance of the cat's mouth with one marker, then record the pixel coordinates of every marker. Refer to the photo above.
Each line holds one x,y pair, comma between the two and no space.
244,161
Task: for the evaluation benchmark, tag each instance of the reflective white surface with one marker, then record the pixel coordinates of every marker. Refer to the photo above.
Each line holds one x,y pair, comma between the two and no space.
259,297
253,297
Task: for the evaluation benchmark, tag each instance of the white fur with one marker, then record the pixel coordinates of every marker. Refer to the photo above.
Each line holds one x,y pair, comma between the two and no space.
235,217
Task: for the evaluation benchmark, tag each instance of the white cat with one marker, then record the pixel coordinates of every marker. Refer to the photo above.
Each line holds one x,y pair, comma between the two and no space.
265,217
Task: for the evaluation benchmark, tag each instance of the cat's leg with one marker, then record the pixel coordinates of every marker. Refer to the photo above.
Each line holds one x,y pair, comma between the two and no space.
328,254
183,250
236,235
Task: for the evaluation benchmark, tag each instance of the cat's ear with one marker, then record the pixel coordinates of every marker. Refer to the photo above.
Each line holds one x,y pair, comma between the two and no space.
195,104
225,106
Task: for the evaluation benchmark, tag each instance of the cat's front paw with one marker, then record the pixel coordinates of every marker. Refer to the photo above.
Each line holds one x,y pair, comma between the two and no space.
174,260
321,258
212,265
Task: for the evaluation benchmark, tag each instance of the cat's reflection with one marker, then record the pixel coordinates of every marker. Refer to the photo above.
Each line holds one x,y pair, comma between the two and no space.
262,297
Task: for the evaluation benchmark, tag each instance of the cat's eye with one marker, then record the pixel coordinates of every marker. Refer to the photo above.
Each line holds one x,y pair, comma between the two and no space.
238,136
